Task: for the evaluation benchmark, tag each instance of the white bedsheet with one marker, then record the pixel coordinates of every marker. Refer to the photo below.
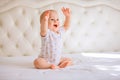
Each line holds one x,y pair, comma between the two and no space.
86,67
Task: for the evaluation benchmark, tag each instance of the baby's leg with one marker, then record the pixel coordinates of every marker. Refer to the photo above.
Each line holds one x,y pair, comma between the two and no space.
41,63
65,62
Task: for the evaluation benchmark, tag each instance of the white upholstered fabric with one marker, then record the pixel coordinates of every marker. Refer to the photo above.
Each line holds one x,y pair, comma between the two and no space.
95,26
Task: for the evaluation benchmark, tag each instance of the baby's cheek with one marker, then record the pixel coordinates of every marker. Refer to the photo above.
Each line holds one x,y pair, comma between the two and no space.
58,23
49,26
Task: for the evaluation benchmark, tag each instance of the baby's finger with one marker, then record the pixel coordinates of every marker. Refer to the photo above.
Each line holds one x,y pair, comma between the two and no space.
68,10
46,17
47,13
64,9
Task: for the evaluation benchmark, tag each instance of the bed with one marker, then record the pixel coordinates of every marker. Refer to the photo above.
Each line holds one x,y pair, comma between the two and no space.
85,68
92,42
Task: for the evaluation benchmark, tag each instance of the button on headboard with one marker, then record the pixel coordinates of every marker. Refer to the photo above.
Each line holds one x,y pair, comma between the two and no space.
94,27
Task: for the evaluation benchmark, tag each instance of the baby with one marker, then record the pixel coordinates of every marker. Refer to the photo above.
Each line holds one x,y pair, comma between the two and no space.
51,38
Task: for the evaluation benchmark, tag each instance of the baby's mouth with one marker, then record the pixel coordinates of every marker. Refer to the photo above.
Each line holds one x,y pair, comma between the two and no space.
55,25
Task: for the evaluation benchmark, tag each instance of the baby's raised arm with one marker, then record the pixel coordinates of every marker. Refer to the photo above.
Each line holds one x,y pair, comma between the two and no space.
44,23
66,12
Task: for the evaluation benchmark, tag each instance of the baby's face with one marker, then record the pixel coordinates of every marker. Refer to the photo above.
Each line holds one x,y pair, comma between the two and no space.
53,21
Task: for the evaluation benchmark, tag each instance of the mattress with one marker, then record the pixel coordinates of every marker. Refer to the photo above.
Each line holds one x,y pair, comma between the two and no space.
87,66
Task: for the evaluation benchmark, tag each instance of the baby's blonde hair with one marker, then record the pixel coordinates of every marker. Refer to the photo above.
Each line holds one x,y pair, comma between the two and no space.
43,14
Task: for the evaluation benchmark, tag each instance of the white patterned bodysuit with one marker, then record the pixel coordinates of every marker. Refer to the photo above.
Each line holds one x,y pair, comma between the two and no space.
51,48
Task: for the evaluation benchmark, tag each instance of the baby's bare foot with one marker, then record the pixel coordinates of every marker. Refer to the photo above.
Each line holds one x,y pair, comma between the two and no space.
54,66
67,63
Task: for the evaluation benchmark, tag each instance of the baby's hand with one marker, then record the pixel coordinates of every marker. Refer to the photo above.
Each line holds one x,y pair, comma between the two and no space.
66,11
44,18
47,15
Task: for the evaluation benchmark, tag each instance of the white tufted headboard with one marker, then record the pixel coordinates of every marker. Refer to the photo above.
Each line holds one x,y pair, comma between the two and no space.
95,26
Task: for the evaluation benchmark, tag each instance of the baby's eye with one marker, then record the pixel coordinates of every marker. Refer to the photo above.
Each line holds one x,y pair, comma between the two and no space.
52,19
57,19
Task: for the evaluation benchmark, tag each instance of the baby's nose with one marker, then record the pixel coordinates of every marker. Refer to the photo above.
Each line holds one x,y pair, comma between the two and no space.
55,20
